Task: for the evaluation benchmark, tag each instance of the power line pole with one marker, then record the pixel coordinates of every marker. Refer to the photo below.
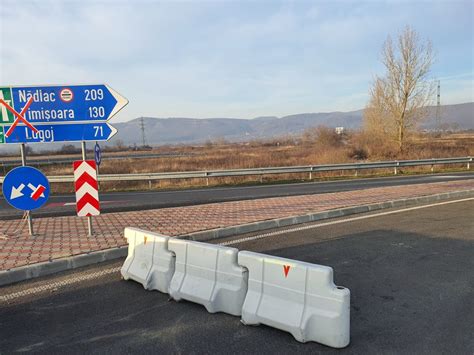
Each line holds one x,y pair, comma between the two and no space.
142,126
438,107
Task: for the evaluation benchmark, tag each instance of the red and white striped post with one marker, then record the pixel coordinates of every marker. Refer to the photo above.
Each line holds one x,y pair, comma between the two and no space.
87,190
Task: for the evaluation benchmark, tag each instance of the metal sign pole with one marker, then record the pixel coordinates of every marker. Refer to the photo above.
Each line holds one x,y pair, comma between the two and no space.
89,218
28,213
97,165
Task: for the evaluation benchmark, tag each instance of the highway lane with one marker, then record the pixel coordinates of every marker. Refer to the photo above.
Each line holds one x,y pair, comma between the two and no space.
410,274
128,201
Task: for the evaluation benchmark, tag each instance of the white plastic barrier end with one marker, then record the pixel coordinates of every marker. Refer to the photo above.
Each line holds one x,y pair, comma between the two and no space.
297,297
148,262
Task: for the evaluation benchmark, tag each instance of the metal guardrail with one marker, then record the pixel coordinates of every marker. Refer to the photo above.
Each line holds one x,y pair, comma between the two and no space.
310,169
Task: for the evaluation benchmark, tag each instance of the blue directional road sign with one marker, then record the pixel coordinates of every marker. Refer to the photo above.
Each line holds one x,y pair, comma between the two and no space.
100,131
97,154
26,188
61,104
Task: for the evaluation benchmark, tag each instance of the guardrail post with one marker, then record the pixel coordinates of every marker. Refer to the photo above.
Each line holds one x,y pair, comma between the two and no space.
356,172
207,179
432,167
149,184
310,175
468,164
395,169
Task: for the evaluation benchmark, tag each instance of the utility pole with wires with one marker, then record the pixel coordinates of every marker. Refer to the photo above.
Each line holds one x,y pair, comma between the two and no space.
438,107
142,126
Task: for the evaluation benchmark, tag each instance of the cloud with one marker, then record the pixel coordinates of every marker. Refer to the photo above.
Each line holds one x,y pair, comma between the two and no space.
224,58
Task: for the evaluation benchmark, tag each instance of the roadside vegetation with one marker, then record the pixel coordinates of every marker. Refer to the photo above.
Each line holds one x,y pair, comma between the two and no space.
320,145
398,99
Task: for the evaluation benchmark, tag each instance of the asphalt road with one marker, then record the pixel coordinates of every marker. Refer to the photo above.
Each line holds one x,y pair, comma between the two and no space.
128,201
411,277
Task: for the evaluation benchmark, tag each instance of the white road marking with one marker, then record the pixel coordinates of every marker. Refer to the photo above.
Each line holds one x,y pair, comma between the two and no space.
57,284
298,229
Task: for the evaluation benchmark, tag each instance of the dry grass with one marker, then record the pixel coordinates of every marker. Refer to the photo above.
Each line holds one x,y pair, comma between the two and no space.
319,148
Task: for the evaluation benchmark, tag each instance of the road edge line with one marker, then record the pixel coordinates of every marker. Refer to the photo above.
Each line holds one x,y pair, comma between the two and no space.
27,272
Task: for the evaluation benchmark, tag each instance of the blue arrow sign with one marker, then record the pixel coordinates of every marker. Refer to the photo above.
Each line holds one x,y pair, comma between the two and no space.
100,131
26,188
62,104
97,154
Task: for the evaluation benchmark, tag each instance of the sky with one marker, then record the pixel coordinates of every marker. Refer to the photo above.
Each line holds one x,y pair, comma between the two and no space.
240,59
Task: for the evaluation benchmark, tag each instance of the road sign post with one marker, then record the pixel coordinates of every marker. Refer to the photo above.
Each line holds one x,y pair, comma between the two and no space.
28,213
48,114
89,218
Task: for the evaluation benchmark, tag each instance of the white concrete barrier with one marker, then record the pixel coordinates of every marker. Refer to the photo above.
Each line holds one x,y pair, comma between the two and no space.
297,297
208,274
148,262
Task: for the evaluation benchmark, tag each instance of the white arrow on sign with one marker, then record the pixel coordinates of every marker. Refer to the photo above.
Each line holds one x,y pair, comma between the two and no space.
113,131
16,192
121,102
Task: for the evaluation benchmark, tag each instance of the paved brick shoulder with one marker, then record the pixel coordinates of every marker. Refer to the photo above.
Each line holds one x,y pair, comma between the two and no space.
66,236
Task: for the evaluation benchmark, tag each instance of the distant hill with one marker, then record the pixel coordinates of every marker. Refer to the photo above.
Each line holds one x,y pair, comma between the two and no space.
194,130
180,130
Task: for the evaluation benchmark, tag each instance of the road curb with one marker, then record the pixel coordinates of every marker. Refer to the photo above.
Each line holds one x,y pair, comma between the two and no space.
313,217
27,272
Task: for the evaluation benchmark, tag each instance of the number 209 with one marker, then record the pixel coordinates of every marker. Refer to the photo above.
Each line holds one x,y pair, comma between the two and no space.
94,94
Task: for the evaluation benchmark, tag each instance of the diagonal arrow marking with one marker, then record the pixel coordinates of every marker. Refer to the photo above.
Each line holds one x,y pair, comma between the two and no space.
87,189
88,210
84,167
16,192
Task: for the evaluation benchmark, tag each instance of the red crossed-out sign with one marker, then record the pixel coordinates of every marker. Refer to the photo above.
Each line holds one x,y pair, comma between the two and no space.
19,116
87,188
38,192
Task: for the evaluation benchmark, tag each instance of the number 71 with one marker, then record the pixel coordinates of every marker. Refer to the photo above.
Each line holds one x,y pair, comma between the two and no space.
98,131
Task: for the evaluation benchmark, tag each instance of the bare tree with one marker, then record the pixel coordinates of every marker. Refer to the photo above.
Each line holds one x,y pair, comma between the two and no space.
398,99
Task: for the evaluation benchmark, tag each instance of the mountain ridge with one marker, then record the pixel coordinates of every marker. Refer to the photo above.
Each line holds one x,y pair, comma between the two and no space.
184,130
